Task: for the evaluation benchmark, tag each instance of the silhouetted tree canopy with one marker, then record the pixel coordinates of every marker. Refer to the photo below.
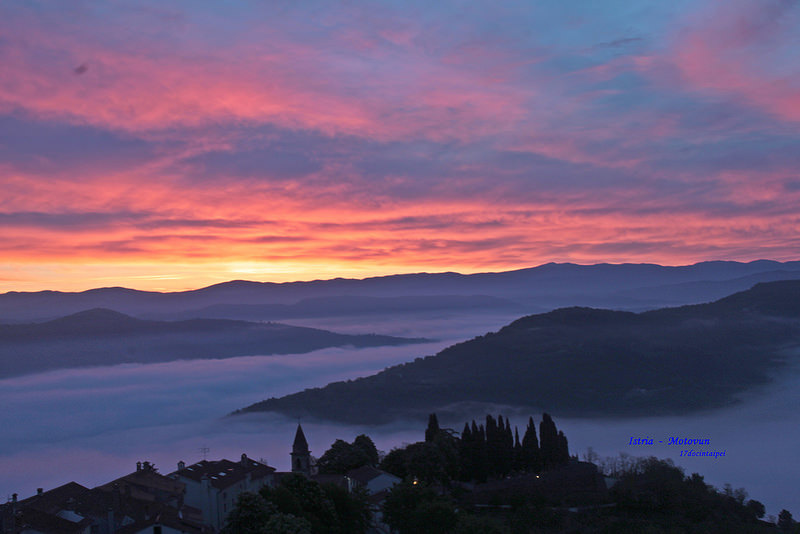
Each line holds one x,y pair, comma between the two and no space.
343,457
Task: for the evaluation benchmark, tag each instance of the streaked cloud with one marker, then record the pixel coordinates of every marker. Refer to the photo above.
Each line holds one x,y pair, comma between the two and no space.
311,140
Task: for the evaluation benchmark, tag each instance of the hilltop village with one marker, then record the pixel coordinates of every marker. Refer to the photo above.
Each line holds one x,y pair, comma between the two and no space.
485,480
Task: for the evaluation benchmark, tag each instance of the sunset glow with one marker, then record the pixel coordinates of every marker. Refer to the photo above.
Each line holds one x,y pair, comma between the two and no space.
173,145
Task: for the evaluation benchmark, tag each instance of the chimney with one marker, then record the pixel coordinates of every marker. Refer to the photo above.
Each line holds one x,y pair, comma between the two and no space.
181,465
13,497
39,491
244,459
138,466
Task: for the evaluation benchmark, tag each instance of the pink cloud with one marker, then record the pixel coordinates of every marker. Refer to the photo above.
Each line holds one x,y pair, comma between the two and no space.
734,51
147,86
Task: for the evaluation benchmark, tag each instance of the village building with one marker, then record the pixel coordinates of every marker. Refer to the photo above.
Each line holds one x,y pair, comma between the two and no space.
213,487
194,499
143,501
301,456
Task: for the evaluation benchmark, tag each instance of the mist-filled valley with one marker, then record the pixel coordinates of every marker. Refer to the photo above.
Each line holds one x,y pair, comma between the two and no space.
151,386
92,425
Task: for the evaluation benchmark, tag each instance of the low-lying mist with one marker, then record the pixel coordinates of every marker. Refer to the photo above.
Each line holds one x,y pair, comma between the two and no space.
92,425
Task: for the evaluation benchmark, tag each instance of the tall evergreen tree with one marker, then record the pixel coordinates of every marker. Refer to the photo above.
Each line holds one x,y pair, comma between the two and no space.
490,446
562,451
518,462
548,439
531,454
481,456
433,428
507,449
467,453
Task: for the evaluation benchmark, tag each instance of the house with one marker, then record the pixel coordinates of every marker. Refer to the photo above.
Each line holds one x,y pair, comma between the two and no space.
168,521
213,487
133,503
47,512
147,484
372,479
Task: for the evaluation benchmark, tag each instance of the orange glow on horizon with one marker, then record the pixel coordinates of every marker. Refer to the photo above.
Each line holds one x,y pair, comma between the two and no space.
182,150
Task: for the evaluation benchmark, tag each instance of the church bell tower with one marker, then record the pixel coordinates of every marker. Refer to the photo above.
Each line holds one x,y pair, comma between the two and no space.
301,456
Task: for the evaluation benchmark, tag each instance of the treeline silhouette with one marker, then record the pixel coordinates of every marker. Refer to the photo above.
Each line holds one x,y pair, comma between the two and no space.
482,451
487,480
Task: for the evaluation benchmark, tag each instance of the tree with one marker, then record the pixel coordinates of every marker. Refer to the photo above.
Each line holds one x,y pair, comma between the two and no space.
433,428
785,521
562,449
365,444
466,449
548,440
414,508
352,509
531,453
327,508
422,460
286,524
249,515
757,508
481,457
254,515
343,457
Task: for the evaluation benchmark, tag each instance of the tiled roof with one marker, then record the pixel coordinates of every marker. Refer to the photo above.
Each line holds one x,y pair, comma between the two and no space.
53,501
146,485
224,473
167,517
40,521
149,479
365,473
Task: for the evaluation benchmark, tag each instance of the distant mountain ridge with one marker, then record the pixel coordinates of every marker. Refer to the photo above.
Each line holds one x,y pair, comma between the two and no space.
622,286
583,362
101,337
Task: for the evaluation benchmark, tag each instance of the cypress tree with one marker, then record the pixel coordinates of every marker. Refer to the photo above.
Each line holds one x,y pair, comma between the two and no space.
548,436
492,446
507,449
466,434
531,456
518,461
467,452
433,428
481,456
562,455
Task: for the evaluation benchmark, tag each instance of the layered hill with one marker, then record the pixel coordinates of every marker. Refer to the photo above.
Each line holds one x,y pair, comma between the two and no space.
583,362
103,337
627,286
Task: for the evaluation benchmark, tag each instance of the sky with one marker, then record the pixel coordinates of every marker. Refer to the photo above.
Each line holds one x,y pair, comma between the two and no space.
171,145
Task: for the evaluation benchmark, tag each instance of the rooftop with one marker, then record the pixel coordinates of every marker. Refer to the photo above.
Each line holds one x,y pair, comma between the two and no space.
224,473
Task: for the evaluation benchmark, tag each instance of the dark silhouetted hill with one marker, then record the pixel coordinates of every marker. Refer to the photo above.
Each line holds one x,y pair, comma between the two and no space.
583,362
104,337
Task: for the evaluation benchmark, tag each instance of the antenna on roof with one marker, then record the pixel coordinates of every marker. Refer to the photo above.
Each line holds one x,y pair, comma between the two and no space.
204,450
